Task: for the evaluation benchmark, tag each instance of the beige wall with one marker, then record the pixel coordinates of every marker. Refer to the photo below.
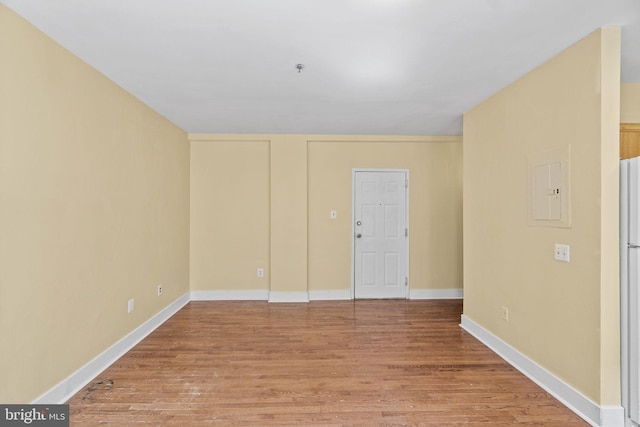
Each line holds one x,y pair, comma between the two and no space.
563,316
630,103
229,215
288,212
306,176
435,207
94,194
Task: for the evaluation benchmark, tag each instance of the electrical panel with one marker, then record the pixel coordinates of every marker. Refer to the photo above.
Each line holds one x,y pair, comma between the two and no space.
549,188
547,192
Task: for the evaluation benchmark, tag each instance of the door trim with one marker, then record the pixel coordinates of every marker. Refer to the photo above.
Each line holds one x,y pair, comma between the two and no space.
353,220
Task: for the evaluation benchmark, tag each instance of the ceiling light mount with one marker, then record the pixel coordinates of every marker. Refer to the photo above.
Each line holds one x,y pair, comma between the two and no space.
299,67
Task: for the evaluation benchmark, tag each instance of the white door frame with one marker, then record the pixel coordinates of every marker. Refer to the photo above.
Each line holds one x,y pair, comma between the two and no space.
353,221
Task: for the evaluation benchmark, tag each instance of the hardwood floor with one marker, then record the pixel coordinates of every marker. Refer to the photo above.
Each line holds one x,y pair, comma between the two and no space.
338,363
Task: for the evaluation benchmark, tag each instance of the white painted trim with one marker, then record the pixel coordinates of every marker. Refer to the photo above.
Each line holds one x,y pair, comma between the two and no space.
288,297
612,416
607,416
436,294
253,295
334,295
71,385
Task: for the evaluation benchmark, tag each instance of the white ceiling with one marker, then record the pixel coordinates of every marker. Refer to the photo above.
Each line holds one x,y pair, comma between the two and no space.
383,67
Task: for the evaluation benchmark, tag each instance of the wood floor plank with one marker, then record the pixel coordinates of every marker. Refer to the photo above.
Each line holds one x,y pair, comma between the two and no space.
338,363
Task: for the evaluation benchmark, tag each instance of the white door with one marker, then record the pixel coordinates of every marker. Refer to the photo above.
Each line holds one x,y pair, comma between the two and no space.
630,278
380,234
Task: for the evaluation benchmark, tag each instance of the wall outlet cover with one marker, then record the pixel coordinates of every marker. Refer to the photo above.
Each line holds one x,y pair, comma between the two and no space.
562,253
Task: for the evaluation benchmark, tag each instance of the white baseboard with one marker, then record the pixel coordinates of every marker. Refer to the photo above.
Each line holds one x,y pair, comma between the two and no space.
601,416
64,390
332,295
436,293
252,295
335,295
288,297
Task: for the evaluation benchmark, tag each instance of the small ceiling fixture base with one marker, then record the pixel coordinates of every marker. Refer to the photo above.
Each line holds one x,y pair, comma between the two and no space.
299,67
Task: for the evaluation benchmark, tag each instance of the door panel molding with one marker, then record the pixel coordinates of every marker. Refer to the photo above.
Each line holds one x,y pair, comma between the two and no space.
367,228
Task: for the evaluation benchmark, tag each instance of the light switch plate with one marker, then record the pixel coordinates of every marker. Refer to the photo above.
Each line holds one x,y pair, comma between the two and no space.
562,253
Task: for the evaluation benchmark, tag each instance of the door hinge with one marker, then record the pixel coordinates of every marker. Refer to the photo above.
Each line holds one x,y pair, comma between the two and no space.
406,281
406,183
406,232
